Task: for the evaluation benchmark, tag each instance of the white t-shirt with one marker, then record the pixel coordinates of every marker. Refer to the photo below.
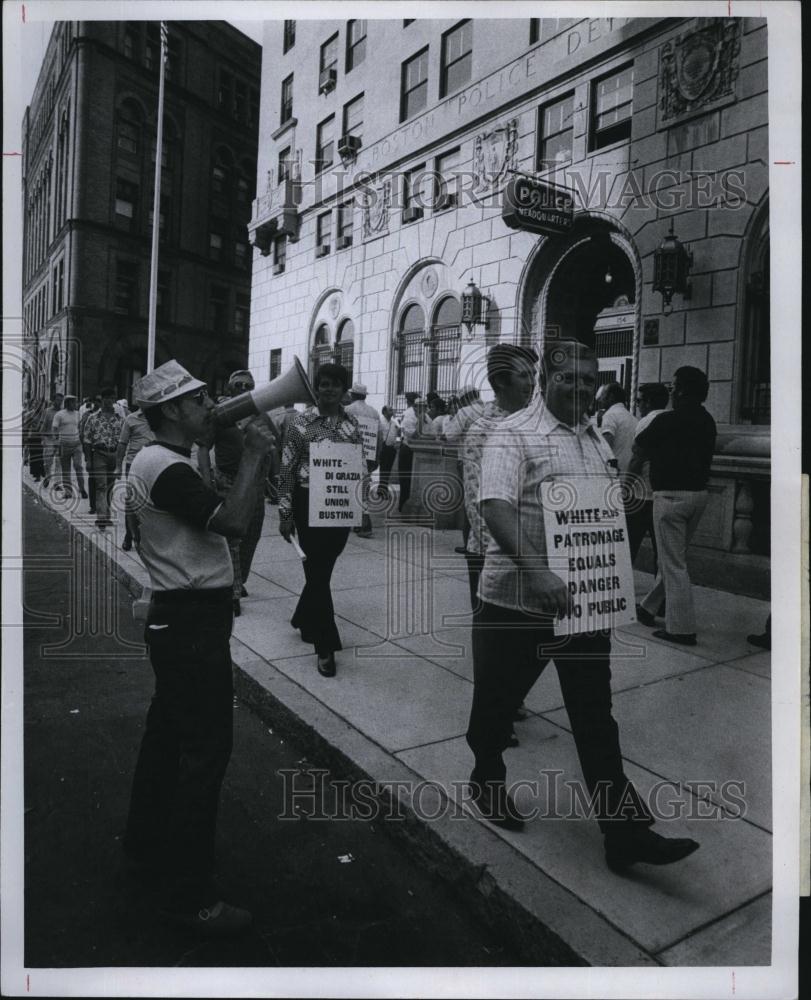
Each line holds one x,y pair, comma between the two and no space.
621,425
66,427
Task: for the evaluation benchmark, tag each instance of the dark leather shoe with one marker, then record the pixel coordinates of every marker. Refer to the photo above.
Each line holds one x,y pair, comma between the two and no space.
326,665
682,638
495,804
126,545
763,641
237,608
644,617
460,550
243,592
645,847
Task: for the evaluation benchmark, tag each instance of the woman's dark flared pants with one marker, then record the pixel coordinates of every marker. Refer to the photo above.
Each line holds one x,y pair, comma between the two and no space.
315,614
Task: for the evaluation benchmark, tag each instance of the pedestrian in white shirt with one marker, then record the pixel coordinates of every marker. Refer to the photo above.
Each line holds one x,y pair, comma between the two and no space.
618,426
414,425
367,416
391,431
66,429
651,400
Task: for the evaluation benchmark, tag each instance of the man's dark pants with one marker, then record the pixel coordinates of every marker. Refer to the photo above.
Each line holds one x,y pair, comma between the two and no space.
186,744
315,613
510,651
406,465
388,453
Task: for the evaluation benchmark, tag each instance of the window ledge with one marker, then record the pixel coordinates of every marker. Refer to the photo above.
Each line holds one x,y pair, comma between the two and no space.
280,131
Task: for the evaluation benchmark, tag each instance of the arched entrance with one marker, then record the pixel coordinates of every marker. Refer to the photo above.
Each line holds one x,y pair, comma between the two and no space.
754,381
587,285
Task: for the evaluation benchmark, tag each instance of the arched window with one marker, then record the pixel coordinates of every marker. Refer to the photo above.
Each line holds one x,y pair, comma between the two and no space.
344,346
321,353
128,139
444,348
409,352
755,394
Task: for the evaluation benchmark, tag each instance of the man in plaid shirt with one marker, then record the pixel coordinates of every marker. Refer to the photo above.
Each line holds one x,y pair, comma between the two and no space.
100,437
513,638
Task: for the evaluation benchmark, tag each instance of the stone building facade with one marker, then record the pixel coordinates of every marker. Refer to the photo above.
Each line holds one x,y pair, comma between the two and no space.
88,182
387,153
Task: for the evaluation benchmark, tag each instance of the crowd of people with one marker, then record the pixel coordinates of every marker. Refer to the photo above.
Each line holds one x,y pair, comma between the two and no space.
199,518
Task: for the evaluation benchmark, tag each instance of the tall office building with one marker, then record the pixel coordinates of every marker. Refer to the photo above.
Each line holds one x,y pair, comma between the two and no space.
89,146
430,187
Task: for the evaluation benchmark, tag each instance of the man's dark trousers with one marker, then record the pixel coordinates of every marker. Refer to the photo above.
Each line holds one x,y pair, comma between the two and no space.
510,651
406,459
187,742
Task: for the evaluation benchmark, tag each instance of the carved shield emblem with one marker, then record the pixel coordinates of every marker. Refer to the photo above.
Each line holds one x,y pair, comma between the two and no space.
494,155
696,65
376,209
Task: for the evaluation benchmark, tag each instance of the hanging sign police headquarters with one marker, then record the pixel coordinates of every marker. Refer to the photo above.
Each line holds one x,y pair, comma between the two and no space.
537,206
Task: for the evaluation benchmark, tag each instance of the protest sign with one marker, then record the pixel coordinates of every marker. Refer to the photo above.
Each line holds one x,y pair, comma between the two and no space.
369,428
336,471
587,547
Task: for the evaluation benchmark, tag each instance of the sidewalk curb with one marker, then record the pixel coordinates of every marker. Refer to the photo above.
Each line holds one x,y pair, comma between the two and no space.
545,922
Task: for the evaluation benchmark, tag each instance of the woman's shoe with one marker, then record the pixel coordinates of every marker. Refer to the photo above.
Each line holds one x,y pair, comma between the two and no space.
326,665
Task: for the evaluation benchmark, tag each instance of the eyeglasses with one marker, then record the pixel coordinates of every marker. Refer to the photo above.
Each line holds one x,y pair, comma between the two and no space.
199,397
245,386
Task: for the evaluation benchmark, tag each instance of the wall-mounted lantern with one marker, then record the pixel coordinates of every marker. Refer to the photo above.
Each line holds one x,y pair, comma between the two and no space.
474,307
671,268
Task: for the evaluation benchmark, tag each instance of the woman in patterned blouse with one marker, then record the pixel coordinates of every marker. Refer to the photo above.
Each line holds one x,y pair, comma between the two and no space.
327,421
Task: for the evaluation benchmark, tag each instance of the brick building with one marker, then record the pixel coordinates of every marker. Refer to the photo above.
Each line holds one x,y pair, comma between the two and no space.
392,156
88,182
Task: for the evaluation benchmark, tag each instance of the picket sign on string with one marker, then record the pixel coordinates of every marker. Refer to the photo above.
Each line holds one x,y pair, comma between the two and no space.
587,547
336,471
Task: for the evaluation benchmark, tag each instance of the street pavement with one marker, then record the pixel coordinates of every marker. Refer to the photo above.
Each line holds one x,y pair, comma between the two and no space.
339,893
397,712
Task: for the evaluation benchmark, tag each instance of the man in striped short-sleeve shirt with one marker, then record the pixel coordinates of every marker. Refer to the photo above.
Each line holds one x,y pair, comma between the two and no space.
514,638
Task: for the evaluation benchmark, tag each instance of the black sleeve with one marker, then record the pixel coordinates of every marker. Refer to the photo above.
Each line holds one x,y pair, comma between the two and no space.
180,491
654,432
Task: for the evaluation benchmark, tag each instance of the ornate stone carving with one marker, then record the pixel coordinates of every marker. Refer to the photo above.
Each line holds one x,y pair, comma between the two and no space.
429,283
698,71
376,210
335,306
742,524
494,153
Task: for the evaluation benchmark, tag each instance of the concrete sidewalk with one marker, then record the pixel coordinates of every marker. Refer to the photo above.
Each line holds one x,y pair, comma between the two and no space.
398,709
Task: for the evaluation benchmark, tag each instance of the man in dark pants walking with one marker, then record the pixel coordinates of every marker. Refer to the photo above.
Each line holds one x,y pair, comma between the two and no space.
187,741
514,638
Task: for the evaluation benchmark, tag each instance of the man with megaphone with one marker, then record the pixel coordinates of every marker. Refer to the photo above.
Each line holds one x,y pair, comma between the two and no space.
188,735
228,445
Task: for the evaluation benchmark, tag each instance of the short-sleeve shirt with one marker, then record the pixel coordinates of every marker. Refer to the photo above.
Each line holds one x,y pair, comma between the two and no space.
174,507
680,445
66,427
525,449
471,455
621,425
135,433
103,430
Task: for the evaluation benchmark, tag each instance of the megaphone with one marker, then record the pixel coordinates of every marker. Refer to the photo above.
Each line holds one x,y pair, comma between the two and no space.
292,387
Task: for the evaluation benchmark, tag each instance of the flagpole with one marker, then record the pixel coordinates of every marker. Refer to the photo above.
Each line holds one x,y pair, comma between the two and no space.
153,270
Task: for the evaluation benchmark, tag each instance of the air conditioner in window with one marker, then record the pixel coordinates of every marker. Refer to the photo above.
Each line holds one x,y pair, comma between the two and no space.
412,213
447,196
322,251
278,268
348,145
327,80
343,243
